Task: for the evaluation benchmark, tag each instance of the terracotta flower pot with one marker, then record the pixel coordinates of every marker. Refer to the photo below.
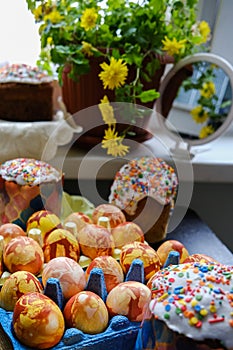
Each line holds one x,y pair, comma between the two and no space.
88,91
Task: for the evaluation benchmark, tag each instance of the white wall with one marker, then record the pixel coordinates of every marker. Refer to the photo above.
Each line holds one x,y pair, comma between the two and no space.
213,201
222,40
19,38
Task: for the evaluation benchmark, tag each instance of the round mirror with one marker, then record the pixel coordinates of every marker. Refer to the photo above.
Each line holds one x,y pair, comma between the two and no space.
196,98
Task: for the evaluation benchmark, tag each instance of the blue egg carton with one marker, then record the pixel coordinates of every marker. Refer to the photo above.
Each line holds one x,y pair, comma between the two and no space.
120,333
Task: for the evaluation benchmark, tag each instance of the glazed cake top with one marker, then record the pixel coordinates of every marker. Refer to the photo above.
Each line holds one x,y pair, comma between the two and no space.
195,299
141,177
24,74
26,171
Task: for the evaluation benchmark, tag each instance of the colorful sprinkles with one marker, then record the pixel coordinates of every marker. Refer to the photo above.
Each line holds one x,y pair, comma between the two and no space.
195,299
23,73
25,171
142,177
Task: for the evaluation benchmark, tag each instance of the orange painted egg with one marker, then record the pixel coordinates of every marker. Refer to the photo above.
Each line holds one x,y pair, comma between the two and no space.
80,220
37,321
115,215
112,270
15,286
95,240
130,299
9,231
69,273
1,267
172,245
87,312
125,233
142,251
61,242
44,220
23,254
200,258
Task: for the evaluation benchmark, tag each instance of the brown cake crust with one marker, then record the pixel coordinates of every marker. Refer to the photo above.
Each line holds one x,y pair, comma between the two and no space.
26,102
152,217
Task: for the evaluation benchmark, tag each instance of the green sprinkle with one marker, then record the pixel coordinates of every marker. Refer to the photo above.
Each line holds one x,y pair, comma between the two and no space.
198,297
166,316
178,311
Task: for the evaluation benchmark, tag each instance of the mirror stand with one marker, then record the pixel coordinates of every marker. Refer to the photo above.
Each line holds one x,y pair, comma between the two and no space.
178,151
189,112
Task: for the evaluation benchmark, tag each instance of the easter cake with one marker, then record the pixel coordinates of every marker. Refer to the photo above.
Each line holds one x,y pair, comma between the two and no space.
26,94
192,306
26,186
145,190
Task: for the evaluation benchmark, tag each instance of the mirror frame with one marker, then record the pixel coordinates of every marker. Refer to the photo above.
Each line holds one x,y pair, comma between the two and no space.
208,57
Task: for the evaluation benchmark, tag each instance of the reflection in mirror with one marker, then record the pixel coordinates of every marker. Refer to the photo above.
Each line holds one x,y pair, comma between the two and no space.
203,101
200,95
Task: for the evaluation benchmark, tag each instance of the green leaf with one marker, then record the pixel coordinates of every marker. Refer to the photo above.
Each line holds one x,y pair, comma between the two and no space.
178,5
148,96
157,5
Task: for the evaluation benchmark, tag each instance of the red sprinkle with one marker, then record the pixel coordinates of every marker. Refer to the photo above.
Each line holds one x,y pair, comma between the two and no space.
215,320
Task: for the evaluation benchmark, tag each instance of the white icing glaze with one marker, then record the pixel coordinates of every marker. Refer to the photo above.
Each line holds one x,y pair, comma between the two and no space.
196,299
23,74
26,171
142,177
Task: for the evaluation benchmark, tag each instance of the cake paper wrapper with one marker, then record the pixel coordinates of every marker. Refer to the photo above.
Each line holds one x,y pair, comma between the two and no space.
19,202
155,335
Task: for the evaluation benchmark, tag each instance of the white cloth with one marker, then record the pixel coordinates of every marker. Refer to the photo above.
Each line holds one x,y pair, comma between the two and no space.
34,139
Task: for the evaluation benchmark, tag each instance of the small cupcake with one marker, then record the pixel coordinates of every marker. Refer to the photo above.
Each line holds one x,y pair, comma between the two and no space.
145,190
26,186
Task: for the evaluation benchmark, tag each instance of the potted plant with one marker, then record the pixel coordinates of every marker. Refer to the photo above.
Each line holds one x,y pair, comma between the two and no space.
121,45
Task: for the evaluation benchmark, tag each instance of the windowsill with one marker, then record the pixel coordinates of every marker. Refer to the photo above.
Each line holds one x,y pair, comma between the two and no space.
208,160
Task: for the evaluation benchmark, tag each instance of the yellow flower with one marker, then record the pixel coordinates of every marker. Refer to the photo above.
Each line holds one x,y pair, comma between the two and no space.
87,49
173,46
107,111
120,150
49,40
54,17
89,18
204,30
208,89
113,74
110,134
38,12
113,143
206,131
199,114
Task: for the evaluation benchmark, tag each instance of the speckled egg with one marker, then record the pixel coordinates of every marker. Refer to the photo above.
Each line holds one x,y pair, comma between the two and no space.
10,230
61,242
112,270
200,258
15,286
130,299
37,321
95,240
69,273
115,215
23,254
140,250
126,233
172,245
1,267
87,312
45,220
80,220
